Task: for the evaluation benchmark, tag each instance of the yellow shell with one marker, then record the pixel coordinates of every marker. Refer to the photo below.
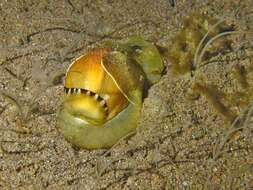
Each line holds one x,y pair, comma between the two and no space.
91,90
104,93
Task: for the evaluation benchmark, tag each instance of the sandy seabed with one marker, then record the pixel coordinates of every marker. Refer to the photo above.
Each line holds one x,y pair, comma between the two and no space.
182,142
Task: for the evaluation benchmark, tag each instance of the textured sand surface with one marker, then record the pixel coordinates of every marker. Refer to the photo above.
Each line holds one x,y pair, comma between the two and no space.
181,142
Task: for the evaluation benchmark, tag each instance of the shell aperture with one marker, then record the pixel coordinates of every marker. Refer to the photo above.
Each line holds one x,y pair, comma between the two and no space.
87,74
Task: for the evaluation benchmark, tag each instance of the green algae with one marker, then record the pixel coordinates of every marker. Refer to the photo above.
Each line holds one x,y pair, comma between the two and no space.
197,30
199,40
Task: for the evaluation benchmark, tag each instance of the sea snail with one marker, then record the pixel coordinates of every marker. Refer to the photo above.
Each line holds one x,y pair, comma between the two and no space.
104,93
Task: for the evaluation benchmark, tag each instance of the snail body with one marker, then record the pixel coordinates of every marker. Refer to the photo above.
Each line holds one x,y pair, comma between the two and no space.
103,97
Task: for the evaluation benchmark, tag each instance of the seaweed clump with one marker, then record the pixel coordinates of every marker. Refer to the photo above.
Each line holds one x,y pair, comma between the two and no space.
215,97
234,97
197,30
243,95
201,39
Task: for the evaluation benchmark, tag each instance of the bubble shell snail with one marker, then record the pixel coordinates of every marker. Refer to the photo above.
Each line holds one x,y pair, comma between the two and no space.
104,93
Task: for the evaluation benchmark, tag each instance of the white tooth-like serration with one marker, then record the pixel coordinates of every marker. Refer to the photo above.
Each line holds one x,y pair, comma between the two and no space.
68,91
